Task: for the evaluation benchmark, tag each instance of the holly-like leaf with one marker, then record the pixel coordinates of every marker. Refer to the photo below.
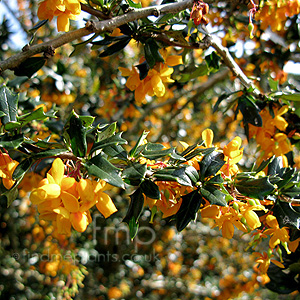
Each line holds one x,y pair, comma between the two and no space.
116,47
49,153
152,54
113,140
250,111
134,211
150,189
257,188
286,215
11,142
75,134
8,105
134,173
140,141
188,209
282,281
213,61
213,195
211,164
100,167
22,168
30,66
173,174
37,114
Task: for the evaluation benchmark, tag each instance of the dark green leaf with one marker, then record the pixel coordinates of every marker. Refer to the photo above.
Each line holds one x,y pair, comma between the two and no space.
116,47
8,105
213,195
100,167
139,142
256,188
75,134
38,25
211,164
213,61
188,209
9,142
152,54
216,180
49,153
286,215
12,126
173,174
113,140
107,132
109,39
220,99
250,111
143,69
80,46
116,152
30,66
34,115
134,173
133,228
192,173
150,189
281,281
155,154
199,71
135,207
22,168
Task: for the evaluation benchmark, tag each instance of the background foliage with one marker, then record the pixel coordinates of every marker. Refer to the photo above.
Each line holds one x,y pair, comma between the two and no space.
139,98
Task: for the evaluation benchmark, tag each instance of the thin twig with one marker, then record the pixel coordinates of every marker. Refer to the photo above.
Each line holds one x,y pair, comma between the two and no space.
94,27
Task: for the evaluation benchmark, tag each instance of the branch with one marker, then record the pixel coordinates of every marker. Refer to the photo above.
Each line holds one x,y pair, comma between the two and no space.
94,27
230,63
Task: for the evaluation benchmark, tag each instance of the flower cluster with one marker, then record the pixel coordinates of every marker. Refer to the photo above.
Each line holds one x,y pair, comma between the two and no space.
155,83
62,9
269,137
274,13
7,167
66,202
240,214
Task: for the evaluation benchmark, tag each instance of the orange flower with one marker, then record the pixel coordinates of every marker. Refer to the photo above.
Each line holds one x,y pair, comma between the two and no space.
7,167
63,9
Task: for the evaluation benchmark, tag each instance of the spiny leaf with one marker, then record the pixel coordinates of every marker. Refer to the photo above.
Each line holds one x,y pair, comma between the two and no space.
8,105
188,209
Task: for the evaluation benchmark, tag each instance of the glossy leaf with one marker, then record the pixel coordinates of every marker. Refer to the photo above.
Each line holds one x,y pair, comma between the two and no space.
211,164
135,208
9,142
134,173
257,188
8,105
75,134
150,189
116,47
113,140
100,167
22,168
30,66
140,141
213,195
188,209
49,153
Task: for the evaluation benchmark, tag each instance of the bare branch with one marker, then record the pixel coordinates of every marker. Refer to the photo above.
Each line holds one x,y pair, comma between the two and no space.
97,27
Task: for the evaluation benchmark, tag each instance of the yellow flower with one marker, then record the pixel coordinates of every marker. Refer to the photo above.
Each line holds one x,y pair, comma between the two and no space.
7,167
277,234
208,136
63,9
233,154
